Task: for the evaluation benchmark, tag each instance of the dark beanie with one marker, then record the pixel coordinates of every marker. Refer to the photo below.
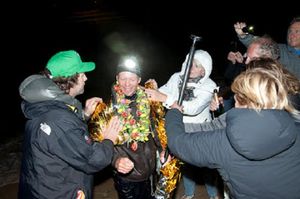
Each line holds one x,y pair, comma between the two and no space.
135,69
129,64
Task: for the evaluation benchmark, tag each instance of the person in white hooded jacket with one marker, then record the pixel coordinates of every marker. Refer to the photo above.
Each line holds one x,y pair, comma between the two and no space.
196,100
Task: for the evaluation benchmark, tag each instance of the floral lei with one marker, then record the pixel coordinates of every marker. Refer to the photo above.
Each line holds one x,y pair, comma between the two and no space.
134,130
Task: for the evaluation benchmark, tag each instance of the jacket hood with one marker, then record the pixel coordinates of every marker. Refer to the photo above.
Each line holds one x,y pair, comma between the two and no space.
202,57
38,90
260,135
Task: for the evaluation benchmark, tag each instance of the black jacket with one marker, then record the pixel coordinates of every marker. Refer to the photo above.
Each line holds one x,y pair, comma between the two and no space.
144,157
59,158
257,154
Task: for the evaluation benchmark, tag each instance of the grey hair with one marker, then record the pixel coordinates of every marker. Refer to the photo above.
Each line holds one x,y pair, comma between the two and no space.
267,47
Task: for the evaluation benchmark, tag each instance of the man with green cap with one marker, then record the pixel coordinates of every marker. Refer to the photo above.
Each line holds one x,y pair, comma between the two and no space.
59,158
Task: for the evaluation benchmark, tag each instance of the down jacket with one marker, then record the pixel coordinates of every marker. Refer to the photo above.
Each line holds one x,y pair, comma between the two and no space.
59,158
257,154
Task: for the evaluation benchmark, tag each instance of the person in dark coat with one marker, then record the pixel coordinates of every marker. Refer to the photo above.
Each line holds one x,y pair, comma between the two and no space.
59,158
257,153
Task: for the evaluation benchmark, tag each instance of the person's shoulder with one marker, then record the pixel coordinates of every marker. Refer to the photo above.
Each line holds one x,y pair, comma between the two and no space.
175,75
61,112
209,83
173,78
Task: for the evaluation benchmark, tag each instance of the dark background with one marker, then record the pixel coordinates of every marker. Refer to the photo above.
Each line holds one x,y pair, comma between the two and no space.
101,30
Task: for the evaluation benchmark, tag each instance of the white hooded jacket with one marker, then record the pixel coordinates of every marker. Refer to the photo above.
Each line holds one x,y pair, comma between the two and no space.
196,108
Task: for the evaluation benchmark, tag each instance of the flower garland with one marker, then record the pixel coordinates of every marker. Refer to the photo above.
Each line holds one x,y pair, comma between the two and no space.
138,130
134,130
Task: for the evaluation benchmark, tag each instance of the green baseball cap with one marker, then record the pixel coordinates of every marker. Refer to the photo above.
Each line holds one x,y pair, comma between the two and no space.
68,63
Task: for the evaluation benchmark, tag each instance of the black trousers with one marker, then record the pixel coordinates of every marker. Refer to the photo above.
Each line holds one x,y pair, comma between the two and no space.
132,190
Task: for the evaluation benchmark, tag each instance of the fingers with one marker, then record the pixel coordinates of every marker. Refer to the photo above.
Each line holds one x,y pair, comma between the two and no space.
116,124
152,81
149,92
142,87
155,95
235,57
124,165
113,123
239,57
176,105
231,57
92,102
221,100
213,105
112,130
90,105
238,27
168,160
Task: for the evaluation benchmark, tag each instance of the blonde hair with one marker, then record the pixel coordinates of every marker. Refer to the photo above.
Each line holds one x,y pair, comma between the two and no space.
262,88
290,81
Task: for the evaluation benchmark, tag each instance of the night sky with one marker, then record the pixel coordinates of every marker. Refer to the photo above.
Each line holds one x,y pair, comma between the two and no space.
101,30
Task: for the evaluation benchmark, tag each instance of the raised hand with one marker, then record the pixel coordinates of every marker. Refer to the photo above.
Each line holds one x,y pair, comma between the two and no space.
112,130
